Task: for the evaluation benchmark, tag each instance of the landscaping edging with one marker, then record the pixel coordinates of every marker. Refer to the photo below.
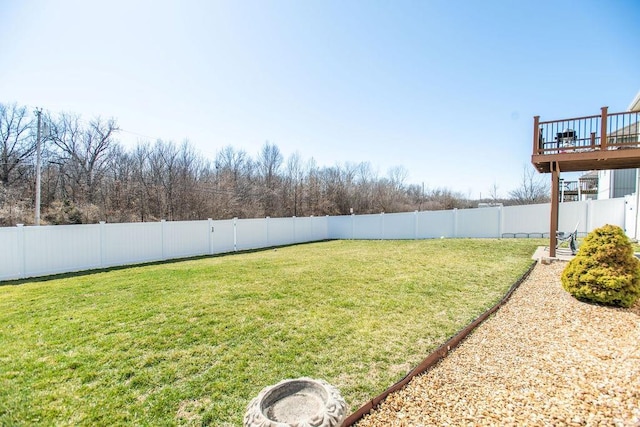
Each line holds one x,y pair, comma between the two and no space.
437,355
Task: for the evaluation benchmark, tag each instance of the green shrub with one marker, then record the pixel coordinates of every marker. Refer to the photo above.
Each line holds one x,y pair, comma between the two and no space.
605,269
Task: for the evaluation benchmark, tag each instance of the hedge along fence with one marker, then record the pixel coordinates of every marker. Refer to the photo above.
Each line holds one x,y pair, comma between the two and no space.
37,251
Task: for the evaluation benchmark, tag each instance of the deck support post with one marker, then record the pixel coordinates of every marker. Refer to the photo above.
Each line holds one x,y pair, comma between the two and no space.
537,147
603,128
555,208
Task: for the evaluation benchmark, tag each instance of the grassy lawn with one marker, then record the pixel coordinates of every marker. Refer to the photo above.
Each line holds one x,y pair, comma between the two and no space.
193,342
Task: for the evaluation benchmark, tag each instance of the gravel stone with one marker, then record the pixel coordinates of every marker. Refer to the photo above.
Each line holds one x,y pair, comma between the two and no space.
543,359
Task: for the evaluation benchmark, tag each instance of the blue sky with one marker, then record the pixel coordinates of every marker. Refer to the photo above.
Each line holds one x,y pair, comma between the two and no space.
447,89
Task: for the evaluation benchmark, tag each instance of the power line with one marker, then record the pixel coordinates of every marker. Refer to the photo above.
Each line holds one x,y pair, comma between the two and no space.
138,134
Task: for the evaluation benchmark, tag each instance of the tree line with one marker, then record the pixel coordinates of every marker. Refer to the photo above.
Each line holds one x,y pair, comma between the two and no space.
87,176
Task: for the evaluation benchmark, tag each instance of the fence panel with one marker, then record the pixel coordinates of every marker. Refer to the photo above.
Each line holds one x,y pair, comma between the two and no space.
302,230
308,229
280,231
572,214
400,225
340,227
434,224
185,238
132,243
478,223
11,253
319,229
368,226
61,248
251,234
223,238
609,211
526,219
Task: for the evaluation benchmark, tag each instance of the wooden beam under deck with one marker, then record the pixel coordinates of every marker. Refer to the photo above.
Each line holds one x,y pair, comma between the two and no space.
626,158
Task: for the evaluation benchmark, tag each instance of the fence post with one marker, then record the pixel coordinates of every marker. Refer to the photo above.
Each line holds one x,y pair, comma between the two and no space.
267,231
210,231
455,222
162,224
353,230
326,233
589,215
102,244
381,225
637,206
313,227
235,234
500,222
294,229
22,252
415,225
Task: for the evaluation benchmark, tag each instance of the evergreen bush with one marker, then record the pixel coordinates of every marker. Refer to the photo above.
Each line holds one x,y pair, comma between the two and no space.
605,269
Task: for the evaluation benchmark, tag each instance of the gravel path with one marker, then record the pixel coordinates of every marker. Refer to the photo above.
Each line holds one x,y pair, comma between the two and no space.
543,359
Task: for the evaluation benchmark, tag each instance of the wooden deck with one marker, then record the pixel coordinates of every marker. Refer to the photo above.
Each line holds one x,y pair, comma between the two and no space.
605,141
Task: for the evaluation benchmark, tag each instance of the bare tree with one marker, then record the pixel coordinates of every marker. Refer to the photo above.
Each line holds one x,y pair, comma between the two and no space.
17,144
191,169
118,193
532,188
397,177
391,191
493,192
231,161
444,199
365,178
269,163
232,189
293,185
313,197
88,176
141,186
84,150
163,170
339,188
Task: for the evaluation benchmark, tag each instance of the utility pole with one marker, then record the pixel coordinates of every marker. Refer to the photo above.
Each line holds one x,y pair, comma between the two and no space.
38,171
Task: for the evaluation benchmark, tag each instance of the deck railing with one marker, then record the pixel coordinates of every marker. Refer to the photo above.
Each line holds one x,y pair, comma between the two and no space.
602,132
581,186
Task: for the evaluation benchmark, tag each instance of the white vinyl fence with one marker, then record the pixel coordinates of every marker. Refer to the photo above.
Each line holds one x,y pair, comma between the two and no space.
37,251
509,221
